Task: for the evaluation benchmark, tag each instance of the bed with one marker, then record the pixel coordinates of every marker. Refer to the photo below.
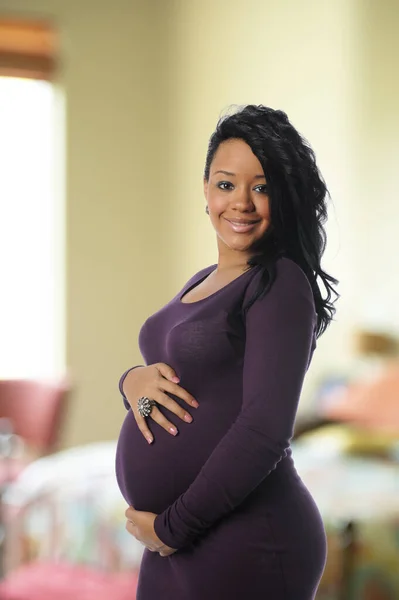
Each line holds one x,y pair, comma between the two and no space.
67,509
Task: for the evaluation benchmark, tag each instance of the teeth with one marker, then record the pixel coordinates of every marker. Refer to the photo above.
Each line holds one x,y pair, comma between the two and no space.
242,224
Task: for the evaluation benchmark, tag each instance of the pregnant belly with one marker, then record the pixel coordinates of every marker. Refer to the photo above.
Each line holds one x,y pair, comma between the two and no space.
153,476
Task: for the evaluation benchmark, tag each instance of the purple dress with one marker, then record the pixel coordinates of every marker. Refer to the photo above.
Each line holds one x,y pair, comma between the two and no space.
225,489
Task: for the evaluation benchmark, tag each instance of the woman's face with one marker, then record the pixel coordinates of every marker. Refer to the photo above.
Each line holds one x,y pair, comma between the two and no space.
237,196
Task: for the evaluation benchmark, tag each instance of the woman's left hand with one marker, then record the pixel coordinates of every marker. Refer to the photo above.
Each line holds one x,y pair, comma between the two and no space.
140,524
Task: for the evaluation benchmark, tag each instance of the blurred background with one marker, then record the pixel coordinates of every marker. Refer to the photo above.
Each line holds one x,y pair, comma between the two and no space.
105,113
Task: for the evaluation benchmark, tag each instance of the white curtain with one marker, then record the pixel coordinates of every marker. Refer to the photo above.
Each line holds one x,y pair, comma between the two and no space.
31,232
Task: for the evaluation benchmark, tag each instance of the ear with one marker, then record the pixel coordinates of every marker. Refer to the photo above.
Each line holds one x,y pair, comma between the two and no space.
206,183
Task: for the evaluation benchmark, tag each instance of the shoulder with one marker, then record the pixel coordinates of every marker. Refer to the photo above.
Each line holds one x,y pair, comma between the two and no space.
291,277
290,286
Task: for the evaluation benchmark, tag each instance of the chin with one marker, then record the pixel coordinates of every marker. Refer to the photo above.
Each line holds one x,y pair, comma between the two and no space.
243,246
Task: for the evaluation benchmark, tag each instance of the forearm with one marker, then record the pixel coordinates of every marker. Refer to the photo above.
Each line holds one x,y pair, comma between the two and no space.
241,461
246,455
279,338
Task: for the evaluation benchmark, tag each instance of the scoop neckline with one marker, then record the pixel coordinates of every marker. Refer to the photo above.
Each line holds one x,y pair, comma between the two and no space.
201,279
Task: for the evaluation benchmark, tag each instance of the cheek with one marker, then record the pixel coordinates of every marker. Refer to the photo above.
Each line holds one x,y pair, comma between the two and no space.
217,203
263,209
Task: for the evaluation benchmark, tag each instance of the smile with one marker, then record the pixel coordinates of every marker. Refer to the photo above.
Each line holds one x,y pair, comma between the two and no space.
242,226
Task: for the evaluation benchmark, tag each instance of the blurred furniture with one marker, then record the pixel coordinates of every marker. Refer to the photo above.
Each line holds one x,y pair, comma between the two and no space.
31,417
69,540
35,412
348,456
71,520
6,450
54,581
71,513
377,343
357,493
372,405
71,509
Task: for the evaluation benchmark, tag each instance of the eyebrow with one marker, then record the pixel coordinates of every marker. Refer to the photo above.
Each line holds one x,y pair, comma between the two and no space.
233,174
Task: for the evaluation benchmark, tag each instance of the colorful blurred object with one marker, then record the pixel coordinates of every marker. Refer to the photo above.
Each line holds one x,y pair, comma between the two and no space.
35,411
50,581
70,511
373,404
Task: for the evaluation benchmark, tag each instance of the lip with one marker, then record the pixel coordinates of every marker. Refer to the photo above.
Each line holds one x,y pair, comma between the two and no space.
242,226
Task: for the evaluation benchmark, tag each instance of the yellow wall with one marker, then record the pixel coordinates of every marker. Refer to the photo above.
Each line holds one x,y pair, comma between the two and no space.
144,82
378,118
117,268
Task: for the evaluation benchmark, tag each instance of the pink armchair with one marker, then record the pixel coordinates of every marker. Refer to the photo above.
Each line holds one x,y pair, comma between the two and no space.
35,411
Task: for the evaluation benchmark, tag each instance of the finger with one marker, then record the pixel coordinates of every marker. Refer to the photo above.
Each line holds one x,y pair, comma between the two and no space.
166,551
132,529
142,425
167,372
177,390
159,418
173,406
130,514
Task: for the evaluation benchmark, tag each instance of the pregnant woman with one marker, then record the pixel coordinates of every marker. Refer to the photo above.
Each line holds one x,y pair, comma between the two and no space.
213,491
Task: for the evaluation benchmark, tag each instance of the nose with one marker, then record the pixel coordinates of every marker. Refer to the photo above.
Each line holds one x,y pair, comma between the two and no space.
242,200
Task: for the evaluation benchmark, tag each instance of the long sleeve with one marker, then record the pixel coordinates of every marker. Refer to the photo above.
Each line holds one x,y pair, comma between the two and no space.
278,346
121,382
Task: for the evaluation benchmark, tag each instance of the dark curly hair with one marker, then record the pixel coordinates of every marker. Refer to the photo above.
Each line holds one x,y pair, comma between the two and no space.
297,196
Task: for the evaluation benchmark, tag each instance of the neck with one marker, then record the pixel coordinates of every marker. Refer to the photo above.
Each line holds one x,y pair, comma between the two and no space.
230,263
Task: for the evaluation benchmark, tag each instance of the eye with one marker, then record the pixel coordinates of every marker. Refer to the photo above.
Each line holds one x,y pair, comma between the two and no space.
225,185
262,189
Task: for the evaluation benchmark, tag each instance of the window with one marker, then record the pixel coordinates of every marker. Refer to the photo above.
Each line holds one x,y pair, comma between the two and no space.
31,230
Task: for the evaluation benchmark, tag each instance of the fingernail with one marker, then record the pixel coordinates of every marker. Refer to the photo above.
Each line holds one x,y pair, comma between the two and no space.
195,404
149,439
173,430
188,418
175,379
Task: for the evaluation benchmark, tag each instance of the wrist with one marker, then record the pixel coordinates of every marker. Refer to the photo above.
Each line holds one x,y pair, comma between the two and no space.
128,376
160,532
122,382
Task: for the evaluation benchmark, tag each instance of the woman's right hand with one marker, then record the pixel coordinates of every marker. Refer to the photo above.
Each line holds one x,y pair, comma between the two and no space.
153,382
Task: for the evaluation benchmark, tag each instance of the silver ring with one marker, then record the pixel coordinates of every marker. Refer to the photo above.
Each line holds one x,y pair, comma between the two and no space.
145,405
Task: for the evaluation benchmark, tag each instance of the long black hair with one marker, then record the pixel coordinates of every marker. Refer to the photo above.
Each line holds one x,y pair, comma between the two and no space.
297,196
